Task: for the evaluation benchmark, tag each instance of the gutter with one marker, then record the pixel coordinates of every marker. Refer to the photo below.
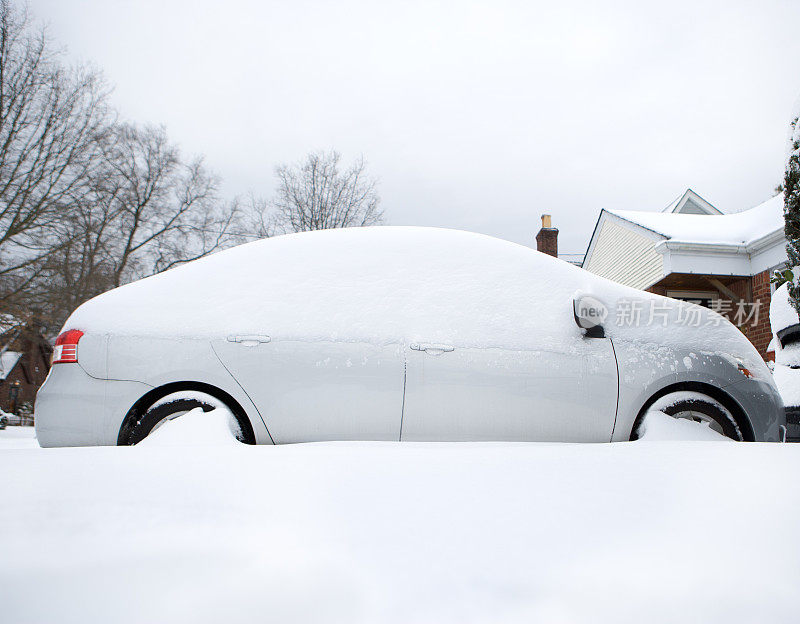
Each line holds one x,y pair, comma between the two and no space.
768,240
664,247
753,247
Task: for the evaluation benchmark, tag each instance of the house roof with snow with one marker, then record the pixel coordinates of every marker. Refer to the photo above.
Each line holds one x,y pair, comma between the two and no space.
640,248
8,360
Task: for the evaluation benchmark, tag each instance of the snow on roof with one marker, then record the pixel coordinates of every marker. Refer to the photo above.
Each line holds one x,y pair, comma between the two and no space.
741,228
8,360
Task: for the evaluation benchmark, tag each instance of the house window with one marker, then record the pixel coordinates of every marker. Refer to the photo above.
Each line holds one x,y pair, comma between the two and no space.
703,298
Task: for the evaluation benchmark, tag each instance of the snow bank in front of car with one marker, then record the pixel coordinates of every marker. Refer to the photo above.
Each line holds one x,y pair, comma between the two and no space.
659,427
391,533
195,428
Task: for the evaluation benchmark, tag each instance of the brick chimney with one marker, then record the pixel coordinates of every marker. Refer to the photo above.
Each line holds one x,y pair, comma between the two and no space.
547,238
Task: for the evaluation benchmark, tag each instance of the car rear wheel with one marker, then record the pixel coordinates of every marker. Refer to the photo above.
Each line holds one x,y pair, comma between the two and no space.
697,407
173,406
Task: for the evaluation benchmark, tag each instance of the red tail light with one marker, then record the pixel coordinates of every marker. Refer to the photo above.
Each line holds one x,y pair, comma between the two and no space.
66,349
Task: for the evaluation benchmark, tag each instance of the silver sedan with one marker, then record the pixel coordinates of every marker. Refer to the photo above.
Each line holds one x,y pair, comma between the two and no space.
395,333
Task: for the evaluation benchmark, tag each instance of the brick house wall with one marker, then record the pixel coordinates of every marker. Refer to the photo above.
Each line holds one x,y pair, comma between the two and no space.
758,291
759,333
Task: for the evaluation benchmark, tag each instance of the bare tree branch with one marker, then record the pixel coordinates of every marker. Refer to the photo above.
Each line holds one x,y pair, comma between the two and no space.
316,194
49,117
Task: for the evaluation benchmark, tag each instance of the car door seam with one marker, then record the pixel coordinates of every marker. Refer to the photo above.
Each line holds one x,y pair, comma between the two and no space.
253,403
403,406
616,410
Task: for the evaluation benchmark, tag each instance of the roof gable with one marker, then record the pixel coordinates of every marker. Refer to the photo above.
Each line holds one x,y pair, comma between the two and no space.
691,203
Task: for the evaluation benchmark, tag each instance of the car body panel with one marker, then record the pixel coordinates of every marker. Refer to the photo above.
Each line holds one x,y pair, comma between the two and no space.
645,370
160,361
75,409
488,394
93,358
762,403
321,390
135,365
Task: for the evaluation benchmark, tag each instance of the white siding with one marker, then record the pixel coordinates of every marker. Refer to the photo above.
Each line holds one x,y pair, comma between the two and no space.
624,256
691,207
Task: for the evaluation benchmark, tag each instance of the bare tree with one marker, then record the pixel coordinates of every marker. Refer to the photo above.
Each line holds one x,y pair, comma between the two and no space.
165,211
316,195
87,203
145,210
78,269
49,117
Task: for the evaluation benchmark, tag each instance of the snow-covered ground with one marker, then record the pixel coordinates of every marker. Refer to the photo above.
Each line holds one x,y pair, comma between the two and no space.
647,531
18,438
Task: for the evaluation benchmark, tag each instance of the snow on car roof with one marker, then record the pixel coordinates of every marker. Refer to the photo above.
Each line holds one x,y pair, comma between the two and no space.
388,285
373,284
739,228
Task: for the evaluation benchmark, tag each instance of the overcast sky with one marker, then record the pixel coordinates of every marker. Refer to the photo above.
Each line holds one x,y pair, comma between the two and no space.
478,116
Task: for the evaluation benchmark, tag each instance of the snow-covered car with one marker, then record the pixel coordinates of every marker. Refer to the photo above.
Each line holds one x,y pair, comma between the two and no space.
397,333
785,325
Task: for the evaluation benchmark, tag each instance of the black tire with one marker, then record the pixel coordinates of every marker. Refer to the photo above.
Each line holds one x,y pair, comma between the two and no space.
700,408
154,416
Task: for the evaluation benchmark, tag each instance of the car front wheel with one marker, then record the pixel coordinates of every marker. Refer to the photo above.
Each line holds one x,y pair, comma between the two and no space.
697,407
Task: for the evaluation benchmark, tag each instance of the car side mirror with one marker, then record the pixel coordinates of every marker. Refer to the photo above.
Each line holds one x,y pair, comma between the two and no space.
589,315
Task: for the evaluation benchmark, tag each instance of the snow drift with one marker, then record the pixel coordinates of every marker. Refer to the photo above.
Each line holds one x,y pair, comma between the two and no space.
397,533
658,427
196,428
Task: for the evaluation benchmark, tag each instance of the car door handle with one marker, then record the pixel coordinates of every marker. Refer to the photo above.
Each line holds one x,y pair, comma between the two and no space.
432,349
250,340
